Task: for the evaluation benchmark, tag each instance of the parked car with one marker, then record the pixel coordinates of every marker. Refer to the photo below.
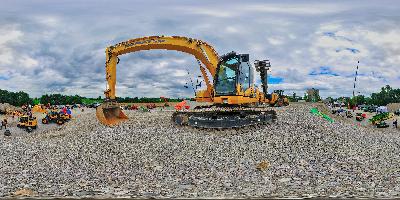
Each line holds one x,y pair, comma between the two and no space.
370,109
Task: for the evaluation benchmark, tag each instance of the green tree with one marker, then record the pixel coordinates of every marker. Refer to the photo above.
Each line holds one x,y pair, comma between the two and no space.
329,99
14,98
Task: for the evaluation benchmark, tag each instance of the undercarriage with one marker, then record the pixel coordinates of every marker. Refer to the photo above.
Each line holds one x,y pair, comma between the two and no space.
224,117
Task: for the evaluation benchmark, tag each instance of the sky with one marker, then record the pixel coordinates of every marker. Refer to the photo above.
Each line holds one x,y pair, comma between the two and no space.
57,46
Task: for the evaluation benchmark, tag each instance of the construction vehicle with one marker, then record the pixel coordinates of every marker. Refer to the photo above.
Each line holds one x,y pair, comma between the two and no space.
378,118
39,108
229,80
282,99
143,109
360,117
151,106
27,122
382,124
15,113
182,105
56,117
134,107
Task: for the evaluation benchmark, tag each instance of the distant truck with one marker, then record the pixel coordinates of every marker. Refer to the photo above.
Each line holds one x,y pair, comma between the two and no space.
27,122
370,109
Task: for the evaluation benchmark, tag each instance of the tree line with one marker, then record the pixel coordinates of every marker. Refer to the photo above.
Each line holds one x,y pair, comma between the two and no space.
382,98
385,96
14,98
22,98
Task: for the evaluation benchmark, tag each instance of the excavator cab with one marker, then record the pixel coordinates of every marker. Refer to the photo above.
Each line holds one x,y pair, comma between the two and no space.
233,69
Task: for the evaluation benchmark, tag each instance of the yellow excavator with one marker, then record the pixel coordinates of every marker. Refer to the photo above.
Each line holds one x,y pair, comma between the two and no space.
229,80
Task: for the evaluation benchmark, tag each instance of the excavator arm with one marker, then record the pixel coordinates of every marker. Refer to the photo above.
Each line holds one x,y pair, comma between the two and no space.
110,113
202,51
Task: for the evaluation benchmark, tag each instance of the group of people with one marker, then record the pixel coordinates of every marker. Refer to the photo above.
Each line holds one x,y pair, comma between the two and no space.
66,110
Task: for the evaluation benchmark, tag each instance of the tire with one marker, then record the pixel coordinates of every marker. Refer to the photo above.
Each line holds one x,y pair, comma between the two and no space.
7,132
29,129
180,119
44,121
35,127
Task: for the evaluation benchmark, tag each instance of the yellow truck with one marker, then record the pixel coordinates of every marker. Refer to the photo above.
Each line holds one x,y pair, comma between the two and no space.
28,123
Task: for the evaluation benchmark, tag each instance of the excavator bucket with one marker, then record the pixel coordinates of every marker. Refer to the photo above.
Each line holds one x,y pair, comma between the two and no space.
110,114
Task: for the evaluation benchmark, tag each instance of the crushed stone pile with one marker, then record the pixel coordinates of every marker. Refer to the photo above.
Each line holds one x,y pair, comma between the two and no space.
6,107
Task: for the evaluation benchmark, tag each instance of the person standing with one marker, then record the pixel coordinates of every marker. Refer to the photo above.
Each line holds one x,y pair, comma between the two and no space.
3,123
395,124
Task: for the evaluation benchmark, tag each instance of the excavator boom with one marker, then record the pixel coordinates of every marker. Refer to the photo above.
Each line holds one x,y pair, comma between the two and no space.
110,113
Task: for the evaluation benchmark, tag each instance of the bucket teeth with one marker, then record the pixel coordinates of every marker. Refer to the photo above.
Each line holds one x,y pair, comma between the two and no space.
110,114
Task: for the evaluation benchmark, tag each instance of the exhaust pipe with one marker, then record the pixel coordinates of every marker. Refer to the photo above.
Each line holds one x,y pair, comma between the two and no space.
110,114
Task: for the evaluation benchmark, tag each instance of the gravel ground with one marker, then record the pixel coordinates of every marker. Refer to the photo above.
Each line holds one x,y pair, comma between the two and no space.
149,157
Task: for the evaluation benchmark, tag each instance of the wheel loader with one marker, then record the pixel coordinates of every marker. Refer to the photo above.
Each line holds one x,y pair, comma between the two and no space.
229,80
27,122
282,99
56,117
39,108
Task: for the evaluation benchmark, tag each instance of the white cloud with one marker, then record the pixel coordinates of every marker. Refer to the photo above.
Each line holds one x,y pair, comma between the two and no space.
162,64
231,29
181,73
48,20
297,9
205,11
330,26
9,34
296,36
28,62
275,40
